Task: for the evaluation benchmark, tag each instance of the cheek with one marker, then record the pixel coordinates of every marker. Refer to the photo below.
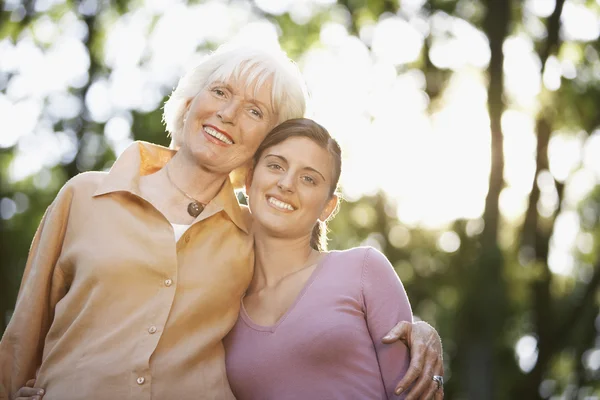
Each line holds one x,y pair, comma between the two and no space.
255,133
316,203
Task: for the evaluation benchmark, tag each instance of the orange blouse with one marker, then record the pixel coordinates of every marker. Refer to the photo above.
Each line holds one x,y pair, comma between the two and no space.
111,307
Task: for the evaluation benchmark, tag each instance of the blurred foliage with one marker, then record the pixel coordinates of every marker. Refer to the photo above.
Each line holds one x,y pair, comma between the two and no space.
484,296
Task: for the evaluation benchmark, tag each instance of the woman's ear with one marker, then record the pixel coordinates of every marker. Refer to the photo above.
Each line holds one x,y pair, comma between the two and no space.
187,104
329,208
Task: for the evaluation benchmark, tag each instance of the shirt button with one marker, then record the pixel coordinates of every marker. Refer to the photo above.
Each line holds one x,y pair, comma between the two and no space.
152,329
168,282
140,380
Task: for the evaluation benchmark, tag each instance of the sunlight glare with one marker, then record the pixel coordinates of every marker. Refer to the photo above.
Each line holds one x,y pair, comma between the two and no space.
548,201
579,22
18,119
519,150
540,8
275,7
10,136
521,70
552,74
579,185
591,152
126,40
563,241
97,101
564,154
448,242
45,30
42,6
456,43
8,208
411,7
399,236
527,352
387,48
161,6
8,59
512,204
63,105
332,34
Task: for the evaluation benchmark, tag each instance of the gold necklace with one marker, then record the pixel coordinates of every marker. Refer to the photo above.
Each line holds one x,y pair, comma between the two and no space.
195,207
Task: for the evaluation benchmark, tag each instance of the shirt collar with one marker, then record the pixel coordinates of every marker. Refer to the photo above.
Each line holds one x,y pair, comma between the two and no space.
143,158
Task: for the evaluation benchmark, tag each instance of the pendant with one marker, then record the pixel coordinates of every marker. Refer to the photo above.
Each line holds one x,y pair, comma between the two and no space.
195,208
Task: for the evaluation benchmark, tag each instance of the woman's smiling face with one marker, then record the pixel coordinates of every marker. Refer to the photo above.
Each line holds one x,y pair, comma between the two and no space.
226,122
290,187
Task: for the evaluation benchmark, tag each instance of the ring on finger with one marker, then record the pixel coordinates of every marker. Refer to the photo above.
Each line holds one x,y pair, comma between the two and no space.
439,380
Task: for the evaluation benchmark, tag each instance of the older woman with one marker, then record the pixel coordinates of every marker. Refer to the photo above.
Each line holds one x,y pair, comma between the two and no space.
134,276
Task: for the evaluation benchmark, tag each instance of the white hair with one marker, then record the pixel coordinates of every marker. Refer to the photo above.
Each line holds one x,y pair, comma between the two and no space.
288,97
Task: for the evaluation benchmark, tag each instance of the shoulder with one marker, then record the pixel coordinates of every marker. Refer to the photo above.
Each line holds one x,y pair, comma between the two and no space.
80,186
359,260
371,262
361,255
85,180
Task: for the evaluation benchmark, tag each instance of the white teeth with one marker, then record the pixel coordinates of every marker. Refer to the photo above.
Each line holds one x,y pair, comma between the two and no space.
216,134
280,204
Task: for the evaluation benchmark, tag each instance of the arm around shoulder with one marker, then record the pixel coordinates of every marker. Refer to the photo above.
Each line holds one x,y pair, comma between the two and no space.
42,286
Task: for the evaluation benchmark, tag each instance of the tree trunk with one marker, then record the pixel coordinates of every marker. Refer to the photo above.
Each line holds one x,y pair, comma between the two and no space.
485,303
535,236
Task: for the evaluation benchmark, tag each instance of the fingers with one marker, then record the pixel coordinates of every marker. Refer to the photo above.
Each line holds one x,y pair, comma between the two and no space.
30,383
426,359
439,394
425,386
401,331
415,368
29,393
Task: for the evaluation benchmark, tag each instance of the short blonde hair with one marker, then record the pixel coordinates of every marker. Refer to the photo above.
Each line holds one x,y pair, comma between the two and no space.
289,94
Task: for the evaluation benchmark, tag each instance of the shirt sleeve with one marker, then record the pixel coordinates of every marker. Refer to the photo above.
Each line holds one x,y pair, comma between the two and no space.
386,304
42,286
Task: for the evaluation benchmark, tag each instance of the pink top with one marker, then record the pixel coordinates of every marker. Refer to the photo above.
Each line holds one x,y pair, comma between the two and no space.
328,344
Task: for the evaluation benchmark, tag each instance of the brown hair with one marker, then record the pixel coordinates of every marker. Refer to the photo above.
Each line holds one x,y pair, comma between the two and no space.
304,127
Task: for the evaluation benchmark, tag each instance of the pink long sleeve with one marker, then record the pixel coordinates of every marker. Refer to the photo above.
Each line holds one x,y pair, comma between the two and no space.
328,344
386,303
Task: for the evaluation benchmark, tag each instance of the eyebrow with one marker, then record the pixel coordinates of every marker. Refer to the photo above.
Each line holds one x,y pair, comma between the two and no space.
282,158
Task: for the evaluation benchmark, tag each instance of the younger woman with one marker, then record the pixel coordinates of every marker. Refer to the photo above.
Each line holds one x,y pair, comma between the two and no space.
311,321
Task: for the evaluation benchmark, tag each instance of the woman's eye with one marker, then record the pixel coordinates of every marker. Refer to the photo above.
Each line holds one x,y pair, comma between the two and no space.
309,179
256,113
274,166
218,92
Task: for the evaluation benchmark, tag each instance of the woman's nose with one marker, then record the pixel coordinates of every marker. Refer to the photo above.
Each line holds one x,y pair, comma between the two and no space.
228,112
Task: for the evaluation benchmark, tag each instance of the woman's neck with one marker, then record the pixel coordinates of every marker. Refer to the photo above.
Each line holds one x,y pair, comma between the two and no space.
277,258
186,175
164,188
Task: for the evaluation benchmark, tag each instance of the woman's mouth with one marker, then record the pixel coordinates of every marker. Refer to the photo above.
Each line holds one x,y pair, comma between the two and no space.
281,205
209,130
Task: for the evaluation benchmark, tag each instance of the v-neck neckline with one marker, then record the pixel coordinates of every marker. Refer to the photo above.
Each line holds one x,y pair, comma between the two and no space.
272,328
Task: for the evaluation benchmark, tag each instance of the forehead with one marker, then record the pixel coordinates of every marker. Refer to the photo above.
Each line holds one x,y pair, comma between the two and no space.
303,152
254,83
